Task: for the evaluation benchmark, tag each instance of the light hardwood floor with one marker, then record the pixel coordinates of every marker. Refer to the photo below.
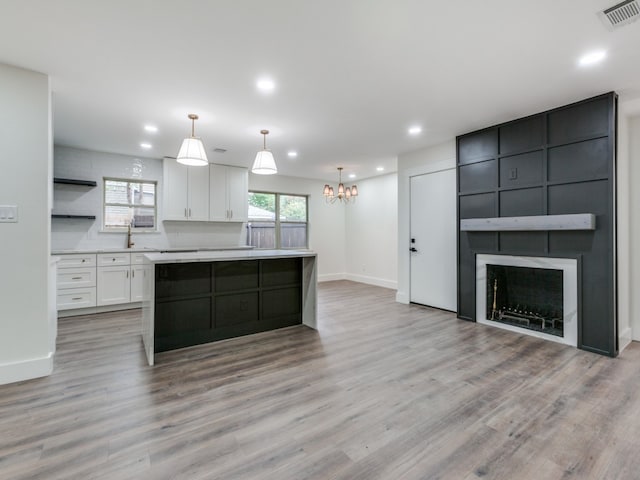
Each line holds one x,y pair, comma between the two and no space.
380,391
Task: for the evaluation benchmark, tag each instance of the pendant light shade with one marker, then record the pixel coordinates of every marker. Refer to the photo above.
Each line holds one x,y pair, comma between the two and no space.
264,164
192,151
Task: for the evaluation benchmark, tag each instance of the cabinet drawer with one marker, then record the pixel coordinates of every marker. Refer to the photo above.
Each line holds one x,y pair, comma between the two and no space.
76,278
76,298
137,258
77,260
108,259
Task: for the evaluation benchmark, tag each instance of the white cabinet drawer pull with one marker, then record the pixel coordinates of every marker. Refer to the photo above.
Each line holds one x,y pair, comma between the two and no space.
76,278
76,298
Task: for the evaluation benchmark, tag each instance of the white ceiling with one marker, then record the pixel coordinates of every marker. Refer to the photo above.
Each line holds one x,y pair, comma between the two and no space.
351,75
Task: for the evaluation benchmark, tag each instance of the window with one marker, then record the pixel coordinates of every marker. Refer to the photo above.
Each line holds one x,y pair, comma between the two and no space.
277,220
128,202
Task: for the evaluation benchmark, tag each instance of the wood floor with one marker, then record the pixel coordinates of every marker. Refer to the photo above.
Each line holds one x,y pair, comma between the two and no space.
380,391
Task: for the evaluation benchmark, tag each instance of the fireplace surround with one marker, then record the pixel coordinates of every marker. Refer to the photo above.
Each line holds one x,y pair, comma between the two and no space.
537,296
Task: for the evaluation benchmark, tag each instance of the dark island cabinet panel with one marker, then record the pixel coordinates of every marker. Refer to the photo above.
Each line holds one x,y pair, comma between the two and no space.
183,279
239,275
235,309
281,272
182,316
225,299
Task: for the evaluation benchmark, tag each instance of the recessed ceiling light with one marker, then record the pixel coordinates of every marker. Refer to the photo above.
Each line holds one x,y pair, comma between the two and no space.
592,58
266,85
380,169
415,130
151,128
146,145
292,154
352,175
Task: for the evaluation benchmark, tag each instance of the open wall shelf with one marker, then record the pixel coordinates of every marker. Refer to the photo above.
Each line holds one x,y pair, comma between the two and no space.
81,217
71,181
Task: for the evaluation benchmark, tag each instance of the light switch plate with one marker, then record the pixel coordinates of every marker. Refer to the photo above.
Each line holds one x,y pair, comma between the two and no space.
8,213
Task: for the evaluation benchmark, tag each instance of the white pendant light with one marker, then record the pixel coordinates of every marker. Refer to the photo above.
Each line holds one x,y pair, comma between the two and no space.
264,164
192,151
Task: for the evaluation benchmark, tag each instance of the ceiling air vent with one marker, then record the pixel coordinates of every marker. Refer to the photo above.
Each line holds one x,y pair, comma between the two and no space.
621,14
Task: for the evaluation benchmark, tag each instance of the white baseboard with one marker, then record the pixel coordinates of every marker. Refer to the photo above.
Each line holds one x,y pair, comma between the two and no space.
331,277
402,297
624,339
378,282
26,370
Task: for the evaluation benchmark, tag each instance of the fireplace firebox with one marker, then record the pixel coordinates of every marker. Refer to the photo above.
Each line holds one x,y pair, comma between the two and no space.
526,297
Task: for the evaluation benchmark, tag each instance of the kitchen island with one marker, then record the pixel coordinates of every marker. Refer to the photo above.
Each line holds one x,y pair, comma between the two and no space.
192,298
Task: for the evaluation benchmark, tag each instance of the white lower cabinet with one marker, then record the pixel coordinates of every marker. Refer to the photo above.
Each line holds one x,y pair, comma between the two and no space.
76,298
76,281
103,279
114,285
137,276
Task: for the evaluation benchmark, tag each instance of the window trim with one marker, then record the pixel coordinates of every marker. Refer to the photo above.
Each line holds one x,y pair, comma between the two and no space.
106,229
277,221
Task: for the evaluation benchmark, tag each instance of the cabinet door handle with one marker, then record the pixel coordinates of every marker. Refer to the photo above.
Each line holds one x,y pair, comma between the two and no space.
133,273
76,298
189,213
76,278
83,260
231,216
127,273
185,213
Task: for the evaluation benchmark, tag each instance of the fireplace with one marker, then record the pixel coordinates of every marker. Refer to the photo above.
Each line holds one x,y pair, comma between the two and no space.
532,295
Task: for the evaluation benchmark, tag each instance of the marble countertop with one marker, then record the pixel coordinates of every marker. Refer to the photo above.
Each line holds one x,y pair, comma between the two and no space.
215,256
149,250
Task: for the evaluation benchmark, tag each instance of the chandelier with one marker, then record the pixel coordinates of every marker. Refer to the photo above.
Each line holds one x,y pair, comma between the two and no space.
345,194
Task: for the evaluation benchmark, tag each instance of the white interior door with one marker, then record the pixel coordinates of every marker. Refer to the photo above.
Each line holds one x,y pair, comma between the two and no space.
433,237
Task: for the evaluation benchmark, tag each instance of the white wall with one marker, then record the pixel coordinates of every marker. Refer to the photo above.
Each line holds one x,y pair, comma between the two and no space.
623,234
428,160
70,234
326,222
327,225
25,181
633,258
372,232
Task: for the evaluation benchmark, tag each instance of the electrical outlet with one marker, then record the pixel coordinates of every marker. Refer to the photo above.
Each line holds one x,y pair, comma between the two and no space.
8,213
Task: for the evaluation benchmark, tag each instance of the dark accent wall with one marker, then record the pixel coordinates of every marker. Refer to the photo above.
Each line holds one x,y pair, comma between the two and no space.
557,162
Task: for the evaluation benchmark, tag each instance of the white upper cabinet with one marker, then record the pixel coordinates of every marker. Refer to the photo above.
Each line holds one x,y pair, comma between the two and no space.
185,192
228,193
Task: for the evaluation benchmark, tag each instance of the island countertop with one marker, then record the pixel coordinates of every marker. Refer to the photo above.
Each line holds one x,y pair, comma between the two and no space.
226,255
